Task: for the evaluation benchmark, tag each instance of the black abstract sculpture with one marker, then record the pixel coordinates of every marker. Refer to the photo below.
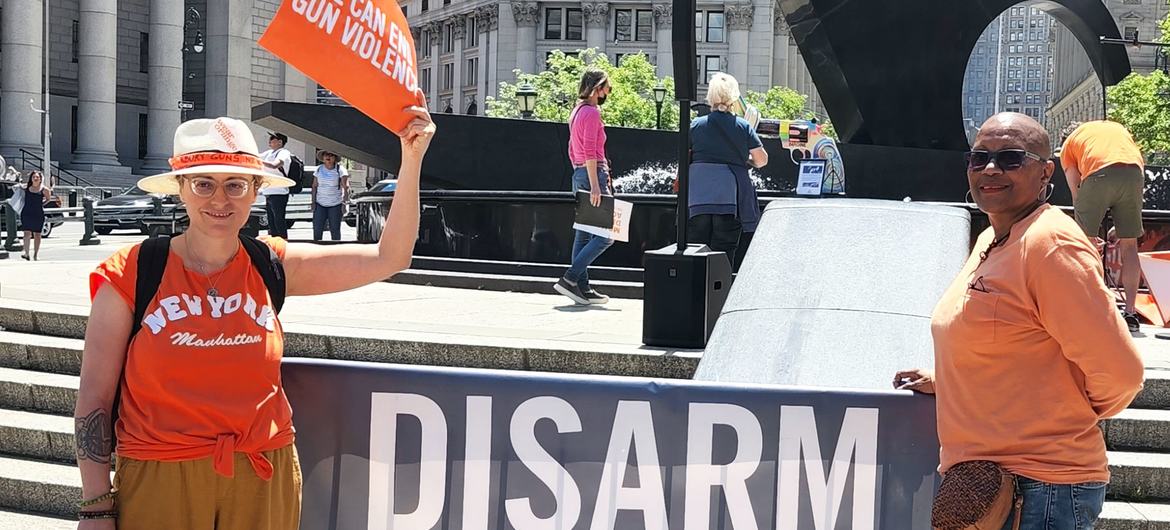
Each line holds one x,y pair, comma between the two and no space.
890,72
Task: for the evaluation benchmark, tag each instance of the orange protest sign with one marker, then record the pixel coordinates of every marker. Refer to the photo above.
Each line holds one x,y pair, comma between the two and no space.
361,50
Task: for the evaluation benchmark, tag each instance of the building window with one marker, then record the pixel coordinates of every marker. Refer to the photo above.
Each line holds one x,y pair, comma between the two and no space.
644,25
471,78
141,136
76,39
143,52
448,39
426,5
424,80
715,26
1032,111
574,24
711,67
553,24
1131,32
446,2
424,44
623,22
471,40
73,129
448,76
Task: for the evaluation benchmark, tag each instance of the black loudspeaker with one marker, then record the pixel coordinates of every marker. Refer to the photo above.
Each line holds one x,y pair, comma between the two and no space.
683,295
683,48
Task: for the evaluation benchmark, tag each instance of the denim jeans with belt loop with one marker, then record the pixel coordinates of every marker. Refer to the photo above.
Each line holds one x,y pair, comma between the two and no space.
1059,506
587,247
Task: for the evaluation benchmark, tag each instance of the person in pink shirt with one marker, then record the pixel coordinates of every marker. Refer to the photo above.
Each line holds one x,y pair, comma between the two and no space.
590,173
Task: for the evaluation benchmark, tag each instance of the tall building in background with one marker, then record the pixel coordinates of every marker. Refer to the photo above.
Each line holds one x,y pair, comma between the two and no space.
466,48
1076,87
1010,68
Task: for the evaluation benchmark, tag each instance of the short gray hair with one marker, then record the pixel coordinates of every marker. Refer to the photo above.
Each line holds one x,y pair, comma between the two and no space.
722,90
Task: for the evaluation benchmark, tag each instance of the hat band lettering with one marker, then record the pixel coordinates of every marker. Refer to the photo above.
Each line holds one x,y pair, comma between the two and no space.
217,159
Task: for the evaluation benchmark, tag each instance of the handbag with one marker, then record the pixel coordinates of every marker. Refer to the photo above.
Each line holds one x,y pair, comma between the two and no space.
976,495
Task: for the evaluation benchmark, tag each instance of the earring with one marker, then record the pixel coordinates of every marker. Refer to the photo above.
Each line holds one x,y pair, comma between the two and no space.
1047,193
969,198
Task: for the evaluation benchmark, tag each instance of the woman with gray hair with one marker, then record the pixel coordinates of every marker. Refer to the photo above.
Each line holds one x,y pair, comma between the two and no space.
722,203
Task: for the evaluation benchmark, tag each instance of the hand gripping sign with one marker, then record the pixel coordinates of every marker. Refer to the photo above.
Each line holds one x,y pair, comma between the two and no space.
361,50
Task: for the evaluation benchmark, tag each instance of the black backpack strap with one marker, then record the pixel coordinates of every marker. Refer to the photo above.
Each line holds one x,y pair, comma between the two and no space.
268,264
152,263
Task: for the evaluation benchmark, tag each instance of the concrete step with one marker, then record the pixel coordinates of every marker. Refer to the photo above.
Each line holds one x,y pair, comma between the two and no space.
1156,393
40,436
1134,516
1139,476
507,283
41,353
1138,430
39,487
10,520
38,391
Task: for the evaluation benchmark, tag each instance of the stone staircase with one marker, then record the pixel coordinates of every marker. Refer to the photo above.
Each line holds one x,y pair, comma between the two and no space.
39,483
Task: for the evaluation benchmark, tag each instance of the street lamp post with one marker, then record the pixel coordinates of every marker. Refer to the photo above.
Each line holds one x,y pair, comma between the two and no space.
526,97
659,97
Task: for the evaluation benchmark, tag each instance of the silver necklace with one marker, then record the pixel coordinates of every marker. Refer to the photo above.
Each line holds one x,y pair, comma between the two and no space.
212,292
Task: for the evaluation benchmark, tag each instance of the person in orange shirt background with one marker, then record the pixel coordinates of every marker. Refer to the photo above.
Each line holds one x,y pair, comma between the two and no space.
205,434
1030,353
1105,170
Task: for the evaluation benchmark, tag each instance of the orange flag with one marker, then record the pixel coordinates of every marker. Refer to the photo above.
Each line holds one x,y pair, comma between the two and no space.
361,50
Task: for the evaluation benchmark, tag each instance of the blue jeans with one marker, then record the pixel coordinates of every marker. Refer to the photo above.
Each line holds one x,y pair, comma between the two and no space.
323,215
586,247
1059,506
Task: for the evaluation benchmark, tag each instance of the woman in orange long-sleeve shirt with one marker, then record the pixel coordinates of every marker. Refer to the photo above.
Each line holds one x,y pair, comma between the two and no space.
1030,353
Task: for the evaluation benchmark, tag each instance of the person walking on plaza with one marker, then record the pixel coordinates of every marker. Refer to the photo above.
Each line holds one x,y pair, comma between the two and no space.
330,188
1030,353
204,430
591,174
277,160
722,200
32,214
1106,172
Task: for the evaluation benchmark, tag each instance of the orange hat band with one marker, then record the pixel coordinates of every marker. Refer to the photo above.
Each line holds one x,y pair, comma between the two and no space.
214,158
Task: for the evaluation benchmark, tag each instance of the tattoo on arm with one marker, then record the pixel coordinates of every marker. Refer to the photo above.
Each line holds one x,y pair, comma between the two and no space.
94,437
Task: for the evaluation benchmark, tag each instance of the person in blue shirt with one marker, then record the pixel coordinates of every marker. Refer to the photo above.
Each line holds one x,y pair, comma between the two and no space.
722,201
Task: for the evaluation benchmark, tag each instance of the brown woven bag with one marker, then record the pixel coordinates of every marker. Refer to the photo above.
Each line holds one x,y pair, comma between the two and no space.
976,495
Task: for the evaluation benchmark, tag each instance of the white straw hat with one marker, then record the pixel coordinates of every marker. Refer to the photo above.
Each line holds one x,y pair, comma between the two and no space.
213,146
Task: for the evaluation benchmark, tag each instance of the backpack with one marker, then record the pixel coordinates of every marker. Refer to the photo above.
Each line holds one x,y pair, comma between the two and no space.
296,172
152,263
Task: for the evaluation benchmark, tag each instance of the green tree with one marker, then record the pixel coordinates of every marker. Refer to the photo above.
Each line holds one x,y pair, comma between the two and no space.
778,103
1140,102
630,104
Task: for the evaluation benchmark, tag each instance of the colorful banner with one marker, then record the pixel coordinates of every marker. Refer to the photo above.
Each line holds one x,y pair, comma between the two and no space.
411,448
361,50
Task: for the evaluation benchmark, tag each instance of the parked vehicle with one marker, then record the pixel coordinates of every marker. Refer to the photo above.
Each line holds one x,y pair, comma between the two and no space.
52,220
382,188
132,207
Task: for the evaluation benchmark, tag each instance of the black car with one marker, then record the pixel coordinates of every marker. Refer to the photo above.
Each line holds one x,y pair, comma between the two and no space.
383,188
127,211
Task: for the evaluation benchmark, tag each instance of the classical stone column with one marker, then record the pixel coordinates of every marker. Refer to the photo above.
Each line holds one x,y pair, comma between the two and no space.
229,58
779,50
739,18
493,51
21,74
435,35
97,86
596,16
166,83
526,14
458,32
482,25
662,25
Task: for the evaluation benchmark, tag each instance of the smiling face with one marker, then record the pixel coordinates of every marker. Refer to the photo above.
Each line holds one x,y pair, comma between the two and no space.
1008,193
221,214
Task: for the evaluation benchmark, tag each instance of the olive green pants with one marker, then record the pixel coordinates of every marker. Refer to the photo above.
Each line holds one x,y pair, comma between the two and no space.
1116,189
190,495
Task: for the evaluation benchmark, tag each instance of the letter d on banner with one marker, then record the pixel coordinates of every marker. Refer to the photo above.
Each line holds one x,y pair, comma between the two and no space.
384,411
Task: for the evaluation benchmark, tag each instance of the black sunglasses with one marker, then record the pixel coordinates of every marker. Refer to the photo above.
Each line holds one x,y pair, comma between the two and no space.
1007,159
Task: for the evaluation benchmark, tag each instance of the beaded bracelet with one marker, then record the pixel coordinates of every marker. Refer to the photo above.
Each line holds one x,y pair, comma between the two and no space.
109,514
99,499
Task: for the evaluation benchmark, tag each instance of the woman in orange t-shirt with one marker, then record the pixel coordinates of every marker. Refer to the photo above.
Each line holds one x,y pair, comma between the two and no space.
205,434
1030,353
